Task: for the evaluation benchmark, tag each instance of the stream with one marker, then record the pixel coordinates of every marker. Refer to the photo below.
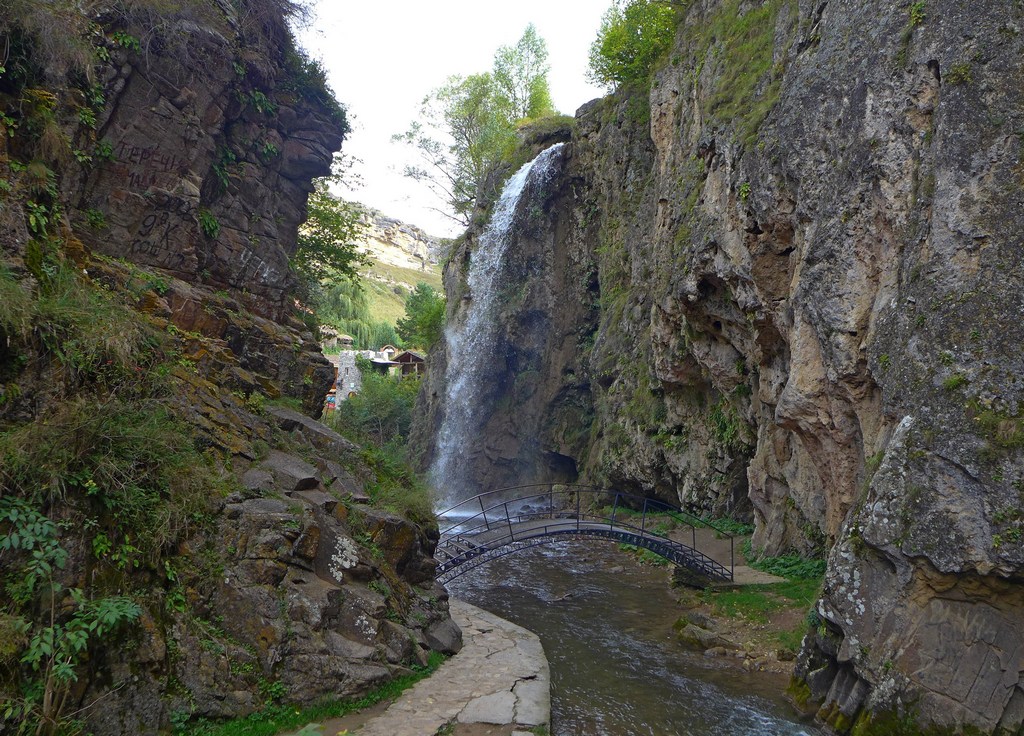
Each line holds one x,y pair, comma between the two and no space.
616,670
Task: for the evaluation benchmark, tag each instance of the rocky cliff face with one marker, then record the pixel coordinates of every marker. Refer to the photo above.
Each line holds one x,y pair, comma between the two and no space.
784,281
154,167
398,243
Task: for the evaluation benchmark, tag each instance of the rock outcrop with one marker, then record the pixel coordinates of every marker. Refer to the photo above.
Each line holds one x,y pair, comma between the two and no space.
398,243
154,165
784,283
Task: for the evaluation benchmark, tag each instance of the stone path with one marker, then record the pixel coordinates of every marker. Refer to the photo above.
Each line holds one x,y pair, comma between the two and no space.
497,685
500,677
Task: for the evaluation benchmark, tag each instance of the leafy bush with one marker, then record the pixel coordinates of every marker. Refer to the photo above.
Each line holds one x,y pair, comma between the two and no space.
381,412
55,640
793,567
379,417
632,37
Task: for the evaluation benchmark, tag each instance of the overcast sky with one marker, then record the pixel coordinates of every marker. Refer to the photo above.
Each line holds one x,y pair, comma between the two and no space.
384,57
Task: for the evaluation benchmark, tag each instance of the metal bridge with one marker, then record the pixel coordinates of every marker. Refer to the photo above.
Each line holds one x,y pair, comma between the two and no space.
507,520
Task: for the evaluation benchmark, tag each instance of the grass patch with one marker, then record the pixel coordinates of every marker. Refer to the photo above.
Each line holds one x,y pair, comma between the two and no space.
16,305
742,48
385,304
756,602
274,719
645,556
129,467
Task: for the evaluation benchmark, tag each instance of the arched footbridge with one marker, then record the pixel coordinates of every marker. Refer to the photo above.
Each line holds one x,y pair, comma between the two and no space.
504,521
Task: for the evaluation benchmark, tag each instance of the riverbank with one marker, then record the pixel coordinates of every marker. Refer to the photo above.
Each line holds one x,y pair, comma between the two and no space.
497,685
757,622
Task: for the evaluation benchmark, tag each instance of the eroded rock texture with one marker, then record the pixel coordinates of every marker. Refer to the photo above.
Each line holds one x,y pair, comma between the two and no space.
786,282
158,187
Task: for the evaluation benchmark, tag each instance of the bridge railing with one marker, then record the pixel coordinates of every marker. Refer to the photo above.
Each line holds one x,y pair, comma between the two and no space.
493,510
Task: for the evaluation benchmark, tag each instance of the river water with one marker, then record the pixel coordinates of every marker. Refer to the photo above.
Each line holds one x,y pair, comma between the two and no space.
616,670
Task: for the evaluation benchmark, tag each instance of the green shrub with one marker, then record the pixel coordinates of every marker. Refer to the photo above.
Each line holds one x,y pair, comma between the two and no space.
53,625
209,224
793,567
379,417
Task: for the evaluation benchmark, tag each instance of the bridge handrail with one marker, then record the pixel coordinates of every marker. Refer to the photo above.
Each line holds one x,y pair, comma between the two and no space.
567,489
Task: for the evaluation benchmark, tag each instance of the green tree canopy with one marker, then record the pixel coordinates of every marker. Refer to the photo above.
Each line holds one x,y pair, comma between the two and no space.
521,77
633,35
423,322
343,304
327,241
466,128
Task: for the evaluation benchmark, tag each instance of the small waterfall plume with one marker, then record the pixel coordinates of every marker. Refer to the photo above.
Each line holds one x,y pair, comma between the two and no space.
472,344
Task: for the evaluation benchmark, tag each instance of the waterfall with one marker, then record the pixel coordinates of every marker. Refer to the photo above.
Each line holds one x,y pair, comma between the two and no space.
472,343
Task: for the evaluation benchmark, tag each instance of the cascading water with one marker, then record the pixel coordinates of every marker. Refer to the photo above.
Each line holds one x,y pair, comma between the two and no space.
472,344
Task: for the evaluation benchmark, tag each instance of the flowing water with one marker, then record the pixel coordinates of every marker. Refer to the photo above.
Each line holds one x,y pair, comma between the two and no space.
471,344
616,669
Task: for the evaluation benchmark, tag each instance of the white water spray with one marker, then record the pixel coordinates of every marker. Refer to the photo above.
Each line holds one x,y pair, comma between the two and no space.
472,344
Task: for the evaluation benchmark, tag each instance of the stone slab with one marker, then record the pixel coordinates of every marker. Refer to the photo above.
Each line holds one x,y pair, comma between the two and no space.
499,677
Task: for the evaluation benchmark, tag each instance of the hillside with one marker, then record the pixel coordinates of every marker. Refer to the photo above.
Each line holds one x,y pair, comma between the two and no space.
178,541
403,255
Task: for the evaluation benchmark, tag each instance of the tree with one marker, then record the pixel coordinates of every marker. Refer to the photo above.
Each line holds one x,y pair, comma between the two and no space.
467,127
327,241
423,322
521,77
632,37
466,112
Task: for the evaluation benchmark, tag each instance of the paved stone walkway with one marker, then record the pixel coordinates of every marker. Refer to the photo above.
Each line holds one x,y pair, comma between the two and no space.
500,677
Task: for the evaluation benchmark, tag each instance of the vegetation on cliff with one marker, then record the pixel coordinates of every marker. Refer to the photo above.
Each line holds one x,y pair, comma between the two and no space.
633,37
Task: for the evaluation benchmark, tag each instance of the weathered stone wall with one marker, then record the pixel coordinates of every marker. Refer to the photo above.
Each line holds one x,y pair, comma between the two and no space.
807,260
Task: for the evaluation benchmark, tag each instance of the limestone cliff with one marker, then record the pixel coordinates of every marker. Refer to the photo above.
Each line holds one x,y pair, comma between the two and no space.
398,243
155,160
784,282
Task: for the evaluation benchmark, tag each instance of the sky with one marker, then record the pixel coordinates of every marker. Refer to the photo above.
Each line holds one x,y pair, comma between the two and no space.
383,58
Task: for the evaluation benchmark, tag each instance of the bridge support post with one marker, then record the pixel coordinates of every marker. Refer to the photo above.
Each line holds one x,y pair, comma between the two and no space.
577,510
615,508
484,512
511,533
643,519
